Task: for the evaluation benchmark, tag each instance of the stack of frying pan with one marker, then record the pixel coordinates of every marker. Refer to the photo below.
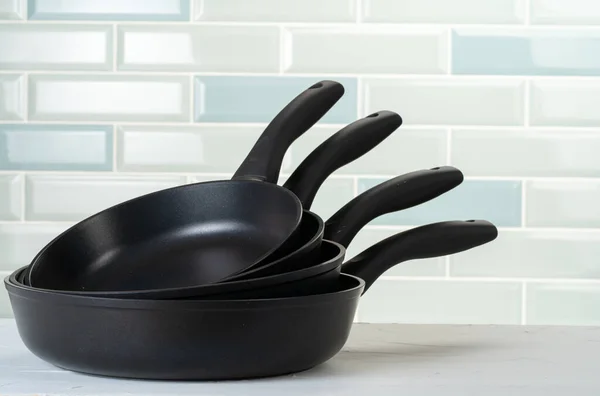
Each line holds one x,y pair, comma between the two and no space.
229,279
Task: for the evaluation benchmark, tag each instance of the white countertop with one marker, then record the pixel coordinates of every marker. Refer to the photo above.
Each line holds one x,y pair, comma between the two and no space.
409,360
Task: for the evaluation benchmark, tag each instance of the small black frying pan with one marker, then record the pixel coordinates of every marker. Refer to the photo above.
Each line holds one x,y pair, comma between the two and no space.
218,228
219,339
395,194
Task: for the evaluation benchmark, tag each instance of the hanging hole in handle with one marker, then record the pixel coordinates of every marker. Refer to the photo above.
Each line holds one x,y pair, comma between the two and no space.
373,115
470,221
436,168
317,85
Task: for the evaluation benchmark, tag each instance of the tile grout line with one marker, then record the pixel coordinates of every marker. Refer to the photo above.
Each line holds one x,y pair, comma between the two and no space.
358,9
524,303
25,97
115,44
527,12
355,186
192,10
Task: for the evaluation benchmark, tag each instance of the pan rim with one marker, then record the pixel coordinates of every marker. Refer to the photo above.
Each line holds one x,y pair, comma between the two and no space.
34,263
18,290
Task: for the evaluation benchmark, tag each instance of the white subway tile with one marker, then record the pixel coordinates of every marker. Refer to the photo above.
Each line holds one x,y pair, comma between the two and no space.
445,301
12,9
199,48
5,307
563,102
276,10
20,242
109,97
11,199
526,152
12,97
440,101
557,12
73,198
444,11
57,47
563,204
368,237
537,253
366,49
563,304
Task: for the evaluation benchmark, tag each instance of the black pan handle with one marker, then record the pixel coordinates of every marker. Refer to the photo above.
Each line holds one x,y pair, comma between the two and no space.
264,161
431,240
399,193
345,146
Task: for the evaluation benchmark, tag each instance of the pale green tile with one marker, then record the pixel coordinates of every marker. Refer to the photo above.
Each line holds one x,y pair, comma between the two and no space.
532,152
498,201
444,11
533,254
109,98
251,49
12,97
55,47
560,12
562,204
365,49
73,198
276,10
563,304
56,147
565,102
260,99
443,301
442,101
12,9
115,10
20,242
11,196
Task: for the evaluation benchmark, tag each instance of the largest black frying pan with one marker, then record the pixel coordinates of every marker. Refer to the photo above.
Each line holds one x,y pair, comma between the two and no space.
286,276
216,228
220,339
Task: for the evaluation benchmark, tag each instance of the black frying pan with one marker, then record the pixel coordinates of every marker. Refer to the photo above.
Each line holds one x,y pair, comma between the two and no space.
194,234
222,339
395,194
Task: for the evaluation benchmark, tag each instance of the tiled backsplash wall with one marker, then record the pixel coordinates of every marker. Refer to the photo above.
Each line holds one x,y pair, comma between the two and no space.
104,100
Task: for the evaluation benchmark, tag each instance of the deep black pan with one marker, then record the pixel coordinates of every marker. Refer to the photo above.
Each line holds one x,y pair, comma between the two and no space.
398,193
194,234
219,339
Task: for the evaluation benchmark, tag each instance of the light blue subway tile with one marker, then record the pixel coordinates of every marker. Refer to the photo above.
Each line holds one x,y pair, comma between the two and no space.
73,198
369,236
571,204
529,253
12,9
498,201
199,48
565,102
56,147
259,99
560,12
441,301
448,101
34,46
276,10
116,10
109,98
11,196
20,242
365,49
12,97
444,11
526,52
563,304
527,152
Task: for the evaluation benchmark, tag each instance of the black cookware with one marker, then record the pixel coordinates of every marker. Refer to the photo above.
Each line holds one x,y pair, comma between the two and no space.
219,339
193,234
395,194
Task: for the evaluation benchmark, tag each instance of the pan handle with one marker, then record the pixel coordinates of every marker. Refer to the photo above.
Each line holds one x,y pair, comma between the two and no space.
431,240
401,192
263,163
345,146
